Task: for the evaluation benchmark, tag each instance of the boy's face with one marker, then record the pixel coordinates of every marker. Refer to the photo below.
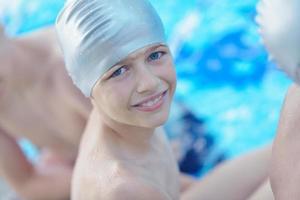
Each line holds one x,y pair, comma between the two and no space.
138,91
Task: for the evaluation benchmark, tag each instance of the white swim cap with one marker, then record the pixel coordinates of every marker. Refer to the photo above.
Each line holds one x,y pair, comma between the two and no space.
280,30
97,34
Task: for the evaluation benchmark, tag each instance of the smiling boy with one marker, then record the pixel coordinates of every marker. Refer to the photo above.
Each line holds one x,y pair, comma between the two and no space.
116,53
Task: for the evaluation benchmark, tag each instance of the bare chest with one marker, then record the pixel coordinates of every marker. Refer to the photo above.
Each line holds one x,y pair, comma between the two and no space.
163,174
157,168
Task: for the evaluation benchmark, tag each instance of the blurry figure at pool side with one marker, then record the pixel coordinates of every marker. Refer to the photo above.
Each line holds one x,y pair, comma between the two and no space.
116,54
194,147
280,29
39,102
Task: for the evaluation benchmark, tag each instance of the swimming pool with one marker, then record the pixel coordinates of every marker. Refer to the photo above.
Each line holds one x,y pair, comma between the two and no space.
224,78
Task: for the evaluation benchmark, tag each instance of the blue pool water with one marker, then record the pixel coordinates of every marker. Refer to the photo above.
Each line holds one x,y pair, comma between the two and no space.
228,96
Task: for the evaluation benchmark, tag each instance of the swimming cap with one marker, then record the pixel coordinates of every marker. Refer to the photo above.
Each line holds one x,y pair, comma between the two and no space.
280,30
97,34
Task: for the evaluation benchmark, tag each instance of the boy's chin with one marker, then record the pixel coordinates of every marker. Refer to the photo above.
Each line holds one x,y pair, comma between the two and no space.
156,123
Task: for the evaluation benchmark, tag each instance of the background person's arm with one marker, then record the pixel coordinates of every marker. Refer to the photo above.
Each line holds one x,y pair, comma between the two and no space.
285,168
14,167
28,182
264,192
236,179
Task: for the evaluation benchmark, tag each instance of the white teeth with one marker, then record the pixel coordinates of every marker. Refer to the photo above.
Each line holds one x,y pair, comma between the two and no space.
152,102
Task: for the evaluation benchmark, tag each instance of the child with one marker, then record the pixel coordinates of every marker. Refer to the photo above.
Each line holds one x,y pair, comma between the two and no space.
116,54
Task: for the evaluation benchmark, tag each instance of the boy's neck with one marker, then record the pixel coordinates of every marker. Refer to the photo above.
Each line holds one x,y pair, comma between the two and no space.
137,140
131,134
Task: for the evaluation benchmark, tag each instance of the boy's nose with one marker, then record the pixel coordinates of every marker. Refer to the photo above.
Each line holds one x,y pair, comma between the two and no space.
147,81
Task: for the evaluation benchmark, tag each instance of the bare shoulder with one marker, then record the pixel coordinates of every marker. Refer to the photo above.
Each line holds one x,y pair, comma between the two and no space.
134,189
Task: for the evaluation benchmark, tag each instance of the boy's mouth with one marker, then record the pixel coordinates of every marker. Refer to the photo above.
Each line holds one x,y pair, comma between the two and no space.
152,103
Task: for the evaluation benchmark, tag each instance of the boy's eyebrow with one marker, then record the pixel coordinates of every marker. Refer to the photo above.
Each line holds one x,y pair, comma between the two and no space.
154,48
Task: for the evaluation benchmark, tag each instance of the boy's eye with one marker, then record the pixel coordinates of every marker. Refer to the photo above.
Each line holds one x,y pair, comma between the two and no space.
155,55
119,71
